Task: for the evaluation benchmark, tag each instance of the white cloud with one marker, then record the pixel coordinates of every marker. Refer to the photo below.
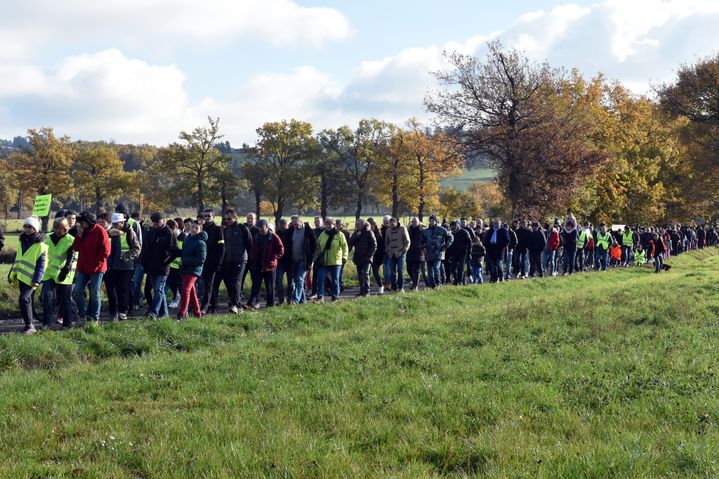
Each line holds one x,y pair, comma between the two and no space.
167,22
108,95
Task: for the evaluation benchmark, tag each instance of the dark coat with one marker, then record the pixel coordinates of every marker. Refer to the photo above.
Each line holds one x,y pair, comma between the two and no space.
194,253
215,246
160,249
414,253
309,247
536,241
496,250
117,261
461,246
364,244
265,252
379,254
523,238
238,243
569,238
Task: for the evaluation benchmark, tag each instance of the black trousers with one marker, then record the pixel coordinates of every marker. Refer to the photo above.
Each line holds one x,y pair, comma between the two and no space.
363,271
258,277
174,282
117,284
413,268
27,303
535,263
232,275
209,292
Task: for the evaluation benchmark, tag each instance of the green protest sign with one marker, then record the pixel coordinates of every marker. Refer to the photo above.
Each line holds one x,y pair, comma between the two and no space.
42,206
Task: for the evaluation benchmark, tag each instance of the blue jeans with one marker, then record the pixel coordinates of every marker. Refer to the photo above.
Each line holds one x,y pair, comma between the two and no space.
600,258
508,264
159,300
137,283
81,281
495,269
477,275
334,273
60,293
550,257
387,270
298,281
396,268
626,253
433,272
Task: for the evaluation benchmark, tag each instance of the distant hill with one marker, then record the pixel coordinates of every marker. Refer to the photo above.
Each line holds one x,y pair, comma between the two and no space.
469,176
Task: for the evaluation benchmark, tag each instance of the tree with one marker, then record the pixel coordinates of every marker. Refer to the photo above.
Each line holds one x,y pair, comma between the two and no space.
8,190
98,173
333,177
283,152
454,203
196,160
44,166
531,121
359,152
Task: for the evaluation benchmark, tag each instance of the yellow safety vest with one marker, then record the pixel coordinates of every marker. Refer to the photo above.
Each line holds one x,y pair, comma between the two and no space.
583,239
56,258
176,262
23,269
628,239
603,240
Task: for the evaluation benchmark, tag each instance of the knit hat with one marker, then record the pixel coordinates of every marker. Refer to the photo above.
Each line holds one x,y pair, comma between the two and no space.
262,223
157,216
32,221
433,217
118,218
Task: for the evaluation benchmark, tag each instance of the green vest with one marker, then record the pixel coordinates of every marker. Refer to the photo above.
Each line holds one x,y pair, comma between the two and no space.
176,262
603,240
628,239
583,240
124,247
24,267
56,258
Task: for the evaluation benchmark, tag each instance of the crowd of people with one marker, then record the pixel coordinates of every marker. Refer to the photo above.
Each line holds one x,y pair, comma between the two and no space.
189,258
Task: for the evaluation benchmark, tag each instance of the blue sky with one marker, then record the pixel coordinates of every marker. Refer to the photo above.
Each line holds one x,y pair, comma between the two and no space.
142,70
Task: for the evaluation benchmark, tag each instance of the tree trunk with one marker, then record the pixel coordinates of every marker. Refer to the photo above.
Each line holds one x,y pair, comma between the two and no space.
420,206
395,194
223,198
358,211
200,195
19,204
279,211
258,200
323,195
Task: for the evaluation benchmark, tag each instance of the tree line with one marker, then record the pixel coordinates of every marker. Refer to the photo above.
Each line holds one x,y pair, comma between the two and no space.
555,139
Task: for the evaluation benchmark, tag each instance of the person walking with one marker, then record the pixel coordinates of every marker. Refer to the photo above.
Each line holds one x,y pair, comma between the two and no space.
161,249
535,246
435,241
192,260
659,250
93,247
364,245
266,251
478,252
495,242
300,253
124,248
603,241
28,269
569,238
378,258
396,245
59,274
414,253
332,250
213,263
238,244
458,252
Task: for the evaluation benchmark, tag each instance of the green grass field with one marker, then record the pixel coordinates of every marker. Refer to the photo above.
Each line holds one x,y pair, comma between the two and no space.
590,376
463,181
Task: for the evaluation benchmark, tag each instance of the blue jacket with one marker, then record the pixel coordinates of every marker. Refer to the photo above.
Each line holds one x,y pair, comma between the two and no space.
436,240
194,254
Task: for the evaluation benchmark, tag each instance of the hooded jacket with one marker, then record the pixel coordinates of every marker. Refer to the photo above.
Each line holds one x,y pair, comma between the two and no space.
194,253
160,249
266,252
117,261
435,240
93,248
364,244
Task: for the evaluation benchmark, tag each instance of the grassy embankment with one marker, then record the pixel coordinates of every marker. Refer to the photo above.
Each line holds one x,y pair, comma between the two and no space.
594,375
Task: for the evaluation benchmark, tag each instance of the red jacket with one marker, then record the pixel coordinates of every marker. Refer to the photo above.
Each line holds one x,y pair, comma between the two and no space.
265,252
93,248
553,241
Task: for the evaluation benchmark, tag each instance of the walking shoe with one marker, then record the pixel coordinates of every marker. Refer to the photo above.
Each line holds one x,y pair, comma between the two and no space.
234,310
28,330
181,317
318,300
174,304
122,317
380,290
115,318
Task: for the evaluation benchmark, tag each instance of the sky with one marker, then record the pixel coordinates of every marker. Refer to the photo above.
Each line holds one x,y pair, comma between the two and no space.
141,71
